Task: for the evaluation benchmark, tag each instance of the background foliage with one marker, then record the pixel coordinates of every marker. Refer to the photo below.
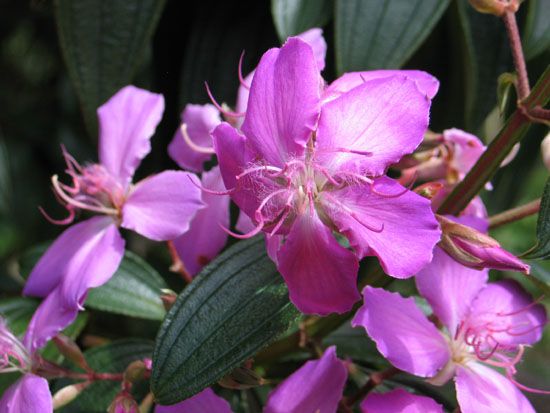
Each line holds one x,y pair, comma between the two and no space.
61,59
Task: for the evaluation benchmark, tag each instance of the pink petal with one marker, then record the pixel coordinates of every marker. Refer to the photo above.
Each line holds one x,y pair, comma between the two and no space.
408,233
205,237
126,124
52,315
283,106
510,310
162,206
450,288
467,149
200,121
234,157
402,333
84,256
386,117
426,83
399,400
317,386
482,389
205,401
272,245
27,395
321,275
314,37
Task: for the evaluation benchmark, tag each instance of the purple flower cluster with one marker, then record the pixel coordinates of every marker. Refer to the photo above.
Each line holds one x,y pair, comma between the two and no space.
306,163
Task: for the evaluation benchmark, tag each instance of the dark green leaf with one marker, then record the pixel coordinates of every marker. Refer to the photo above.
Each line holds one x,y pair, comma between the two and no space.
134,291
292,17
29,258
17,312
102,43
541,250
487,56
5,189
536,35
110,358
236,306
382,34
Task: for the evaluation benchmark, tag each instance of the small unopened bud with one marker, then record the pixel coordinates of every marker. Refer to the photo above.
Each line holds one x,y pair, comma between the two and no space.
241,378
168,298
67,394
496,7
123,403
135,371
429,189
68,348
475,249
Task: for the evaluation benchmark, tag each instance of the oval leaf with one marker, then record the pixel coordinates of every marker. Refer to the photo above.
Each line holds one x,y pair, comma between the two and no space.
292,17
541,250
236,306
382,34
134,291
102,43
536,36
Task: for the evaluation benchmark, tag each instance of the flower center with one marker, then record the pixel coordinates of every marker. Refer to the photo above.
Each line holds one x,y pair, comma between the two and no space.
93,189
13,355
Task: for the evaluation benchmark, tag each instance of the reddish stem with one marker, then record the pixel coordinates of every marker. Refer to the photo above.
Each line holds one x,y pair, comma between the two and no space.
514,214
511,25
177,264
375,379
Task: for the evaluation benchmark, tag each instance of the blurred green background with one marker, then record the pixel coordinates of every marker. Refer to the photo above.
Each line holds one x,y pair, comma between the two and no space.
49,91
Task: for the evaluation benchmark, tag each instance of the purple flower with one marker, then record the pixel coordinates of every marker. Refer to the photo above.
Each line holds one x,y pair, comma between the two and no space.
205,239
310,161
317,386
191,147
31,393
205,401
159,207
399,401
486,325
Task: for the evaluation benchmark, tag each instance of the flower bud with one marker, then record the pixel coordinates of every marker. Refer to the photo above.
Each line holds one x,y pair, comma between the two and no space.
68,348
476,250
135,371
123,403
496,7
429,189
168,298
67,394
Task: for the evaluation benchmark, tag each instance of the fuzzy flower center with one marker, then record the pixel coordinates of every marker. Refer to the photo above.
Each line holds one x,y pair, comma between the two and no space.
13,355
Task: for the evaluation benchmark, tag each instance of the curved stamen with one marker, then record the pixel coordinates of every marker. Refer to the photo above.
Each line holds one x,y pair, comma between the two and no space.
523,309
65,221
241,79
383,195
193,145
227,113
258,213
77,204
250,234
211,191
71,162
264,168
524,387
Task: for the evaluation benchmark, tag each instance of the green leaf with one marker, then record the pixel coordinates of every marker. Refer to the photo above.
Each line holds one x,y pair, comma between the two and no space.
134,291
5,181
51,352
102,43
110,358
382,34
536,35
541,250
487,56
28,259
17,312
292,17
235,307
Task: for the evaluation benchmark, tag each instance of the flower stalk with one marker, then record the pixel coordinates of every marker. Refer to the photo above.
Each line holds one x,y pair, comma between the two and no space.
514,214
